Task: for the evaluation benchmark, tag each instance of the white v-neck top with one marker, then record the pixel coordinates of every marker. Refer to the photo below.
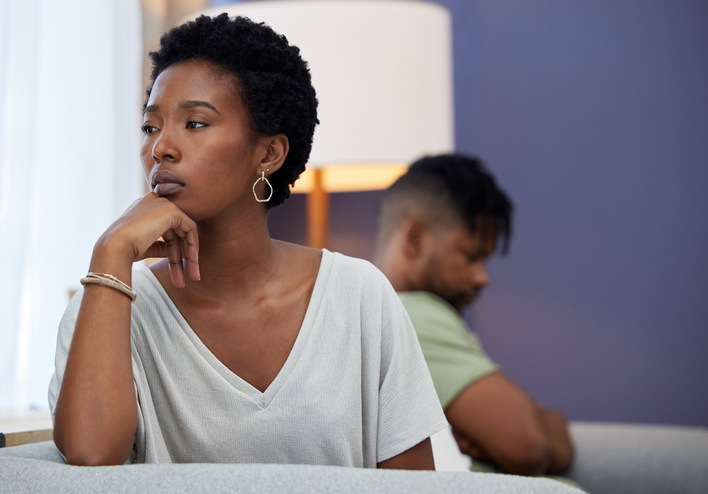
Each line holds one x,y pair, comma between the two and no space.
354,391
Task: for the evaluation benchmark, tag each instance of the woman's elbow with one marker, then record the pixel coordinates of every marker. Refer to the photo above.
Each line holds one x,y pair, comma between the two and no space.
85,455
92,458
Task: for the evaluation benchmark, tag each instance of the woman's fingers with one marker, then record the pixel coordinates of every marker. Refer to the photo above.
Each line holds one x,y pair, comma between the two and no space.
185,258
192,254
188,239
182,245
174,257
158,249
150,218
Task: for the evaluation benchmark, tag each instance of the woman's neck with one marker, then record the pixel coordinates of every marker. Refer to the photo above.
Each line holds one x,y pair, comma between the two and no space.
237,255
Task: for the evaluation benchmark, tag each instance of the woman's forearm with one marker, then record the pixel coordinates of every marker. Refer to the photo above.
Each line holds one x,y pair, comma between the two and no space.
96,412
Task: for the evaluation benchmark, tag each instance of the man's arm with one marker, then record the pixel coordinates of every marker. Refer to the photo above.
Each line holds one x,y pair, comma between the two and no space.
507,426
561,445
419,457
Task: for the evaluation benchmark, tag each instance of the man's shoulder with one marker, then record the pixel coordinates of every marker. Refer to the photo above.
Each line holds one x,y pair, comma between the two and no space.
429,312
454,354
425,300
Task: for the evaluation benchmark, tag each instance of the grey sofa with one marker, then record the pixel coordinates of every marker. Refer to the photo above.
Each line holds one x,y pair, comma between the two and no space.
646,459
610,459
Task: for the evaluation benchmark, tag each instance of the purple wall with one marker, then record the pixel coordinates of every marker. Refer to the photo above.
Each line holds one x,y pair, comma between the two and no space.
594,117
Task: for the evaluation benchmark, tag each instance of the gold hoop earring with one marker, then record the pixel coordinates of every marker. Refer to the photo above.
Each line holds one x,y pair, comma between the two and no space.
262,177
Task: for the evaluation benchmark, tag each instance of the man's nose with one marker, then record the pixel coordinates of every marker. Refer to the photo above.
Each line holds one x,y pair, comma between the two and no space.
480,277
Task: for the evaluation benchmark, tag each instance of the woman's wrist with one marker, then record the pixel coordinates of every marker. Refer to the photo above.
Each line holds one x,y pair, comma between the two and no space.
112,256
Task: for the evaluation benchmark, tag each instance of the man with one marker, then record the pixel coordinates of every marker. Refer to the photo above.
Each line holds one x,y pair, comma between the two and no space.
438,226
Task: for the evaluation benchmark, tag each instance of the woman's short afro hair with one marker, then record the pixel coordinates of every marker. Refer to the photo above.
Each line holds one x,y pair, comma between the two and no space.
273,81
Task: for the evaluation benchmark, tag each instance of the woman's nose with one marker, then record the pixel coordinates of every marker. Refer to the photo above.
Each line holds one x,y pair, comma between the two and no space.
165,147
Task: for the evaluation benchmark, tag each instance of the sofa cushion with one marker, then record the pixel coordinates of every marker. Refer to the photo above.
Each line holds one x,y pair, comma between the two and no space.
38,468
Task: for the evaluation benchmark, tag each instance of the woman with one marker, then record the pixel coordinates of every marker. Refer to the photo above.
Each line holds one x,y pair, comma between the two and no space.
238,348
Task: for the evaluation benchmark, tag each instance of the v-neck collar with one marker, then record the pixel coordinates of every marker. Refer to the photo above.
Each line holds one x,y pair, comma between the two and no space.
264,398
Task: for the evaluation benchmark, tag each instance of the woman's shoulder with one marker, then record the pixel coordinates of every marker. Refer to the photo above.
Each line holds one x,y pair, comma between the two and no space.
334,268
355,275
354,266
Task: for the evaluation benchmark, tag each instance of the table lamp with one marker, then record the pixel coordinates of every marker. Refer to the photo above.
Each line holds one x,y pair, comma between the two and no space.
383,75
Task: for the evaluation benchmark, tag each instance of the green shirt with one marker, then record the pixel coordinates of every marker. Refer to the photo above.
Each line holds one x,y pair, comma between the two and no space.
453,353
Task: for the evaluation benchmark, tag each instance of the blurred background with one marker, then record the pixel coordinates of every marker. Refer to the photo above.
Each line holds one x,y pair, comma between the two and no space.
593,115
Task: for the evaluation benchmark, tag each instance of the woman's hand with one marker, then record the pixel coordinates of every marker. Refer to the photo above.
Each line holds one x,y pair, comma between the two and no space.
136,236
96,414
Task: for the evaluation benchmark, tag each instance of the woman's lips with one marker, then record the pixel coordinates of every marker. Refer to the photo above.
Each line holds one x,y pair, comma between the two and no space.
167,188
165,183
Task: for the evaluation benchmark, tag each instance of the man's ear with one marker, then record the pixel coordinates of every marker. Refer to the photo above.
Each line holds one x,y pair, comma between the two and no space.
414,236
274,150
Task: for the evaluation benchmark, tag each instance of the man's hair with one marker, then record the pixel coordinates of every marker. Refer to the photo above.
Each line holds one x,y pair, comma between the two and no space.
270,76
447,190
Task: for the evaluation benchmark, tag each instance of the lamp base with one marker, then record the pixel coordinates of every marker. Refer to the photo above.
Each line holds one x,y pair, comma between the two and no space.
318,213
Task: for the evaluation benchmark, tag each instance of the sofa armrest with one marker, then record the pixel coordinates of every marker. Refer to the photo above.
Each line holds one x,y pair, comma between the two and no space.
646,459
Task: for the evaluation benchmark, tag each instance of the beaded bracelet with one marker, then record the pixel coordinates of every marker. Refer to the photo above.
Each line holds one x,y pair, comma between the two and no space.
111,282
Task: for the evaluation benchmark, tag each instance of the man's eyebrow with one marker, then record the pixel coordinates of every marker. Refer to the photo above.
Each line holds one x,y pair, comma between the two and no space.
194,104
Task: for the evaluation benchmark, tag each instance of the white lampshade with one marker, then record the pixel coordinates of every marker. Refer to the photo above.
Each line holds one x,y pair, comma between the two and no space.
383,75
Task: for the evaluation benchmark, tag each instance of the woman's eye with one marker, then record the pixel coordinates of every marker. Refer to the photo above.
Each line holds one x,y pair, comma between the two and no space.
148,129
195,125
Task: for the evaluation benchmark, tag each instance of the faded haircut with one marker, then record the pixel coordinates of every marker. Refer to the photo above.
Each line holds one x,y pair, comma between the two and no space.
445,191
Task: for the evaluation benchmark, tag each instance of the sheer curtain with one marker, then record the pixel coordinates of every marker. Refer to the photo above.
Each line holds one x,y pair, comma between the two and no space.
70,102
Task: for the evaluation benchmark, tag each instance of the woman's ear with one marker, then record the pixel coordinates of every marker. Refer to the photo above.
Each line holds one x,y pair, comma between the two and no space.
275,149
